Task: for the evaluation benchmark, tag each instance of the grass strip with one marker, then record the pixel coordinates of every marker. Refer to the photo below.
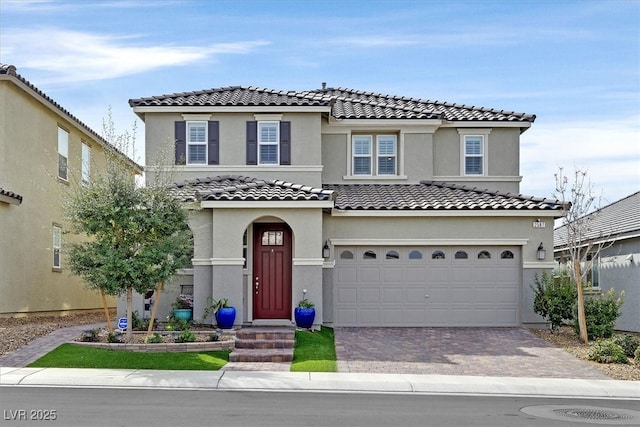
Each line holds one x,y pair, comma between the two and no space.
77,356
315,351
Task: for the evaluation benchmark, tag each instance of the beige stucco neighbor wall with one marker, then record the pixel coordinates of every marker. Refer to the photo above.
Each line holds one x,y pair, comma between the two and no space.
28,166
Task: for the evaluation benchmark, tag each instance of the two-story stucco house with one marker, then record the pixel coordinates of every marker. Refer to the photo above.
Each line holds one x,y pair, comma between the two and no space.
44,151
387,210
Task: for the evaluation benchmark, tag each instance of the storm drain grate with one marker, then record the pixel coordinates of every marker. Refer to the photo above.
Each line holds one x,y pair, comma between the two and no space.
591,414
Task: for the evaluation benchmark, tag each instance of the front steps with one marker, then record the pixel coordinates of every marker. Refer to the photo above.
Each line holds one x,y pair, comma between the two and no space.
264,344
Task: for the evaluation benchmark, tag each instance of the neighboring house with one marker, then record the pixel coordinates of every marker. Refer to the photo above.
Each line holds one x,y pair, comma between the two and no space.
387,210
44,151
617,228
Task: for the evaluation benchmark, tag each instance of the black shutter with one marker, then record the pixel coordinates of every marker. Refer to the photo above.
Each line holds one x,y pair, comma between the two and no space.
252,143
214,143
181,142
285,143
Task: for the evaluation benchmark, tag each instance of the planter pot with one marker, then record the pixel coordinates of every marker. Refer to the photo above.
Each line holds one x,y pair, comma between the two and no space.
225,317
183,314
304,317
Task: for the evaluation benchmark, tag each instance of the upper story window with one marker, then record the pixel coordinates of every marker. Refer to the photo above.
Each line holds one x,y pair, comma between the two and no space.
374,155
63,154
473,148
196,143
86,164
268,140
57,246
268,143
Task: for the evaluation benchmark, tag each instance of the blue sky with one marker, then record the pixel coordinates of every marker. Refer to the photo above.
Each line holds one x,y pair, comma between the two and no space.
575,64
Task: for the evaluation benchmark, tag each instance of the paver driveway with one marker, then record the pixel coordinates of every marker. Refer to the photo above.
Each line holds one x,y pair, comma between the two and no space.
510,352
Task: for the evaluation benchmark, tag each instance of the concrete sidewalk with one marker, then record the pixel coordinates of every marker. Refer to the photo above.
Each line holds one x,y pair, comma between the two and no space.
320,382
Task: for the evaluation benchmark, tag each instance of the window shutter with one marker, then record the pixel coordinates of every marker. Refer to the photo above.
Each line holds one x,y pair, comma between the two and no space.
285,143
181,142
214,143
252,143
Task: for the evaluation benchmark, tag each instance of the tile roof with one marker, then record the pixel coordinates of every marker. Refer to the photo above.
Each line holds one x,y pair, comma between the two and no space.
11,195
432,196
10,70
619,219
344,103
243,188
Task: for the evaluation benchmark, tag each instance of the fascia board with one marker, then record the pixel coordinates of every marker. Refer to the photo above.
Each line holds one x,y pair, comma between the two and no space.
250,204
244,169
487,124
423,124
443,213
231,109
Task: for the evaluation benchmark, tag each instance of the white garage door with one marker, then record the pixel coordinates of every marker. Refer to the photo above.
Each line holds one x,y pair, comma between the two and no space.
427,286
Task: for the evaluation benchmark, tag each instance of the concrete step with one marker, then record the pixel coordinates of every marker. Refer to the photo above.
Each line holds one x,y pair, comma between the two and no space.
264,344
266,333
261,355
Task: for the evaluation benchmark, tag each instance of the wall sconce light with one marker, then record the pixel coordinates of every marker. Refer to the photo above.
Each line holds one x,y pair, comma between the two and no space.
326,252
542,252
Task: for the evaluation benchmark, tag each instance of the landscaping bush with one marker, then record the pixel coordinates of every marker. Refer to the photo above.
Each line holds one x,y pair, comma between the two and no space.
186,336
156,338
601,312
555,298
607,351
636,356
628,342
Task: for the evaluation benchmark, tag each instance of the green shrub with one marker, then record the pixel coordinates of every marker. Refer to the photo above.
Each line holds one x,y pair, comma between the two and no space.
636,356
607,351
138,324
628,342
186,336
601,312
156,338
555,298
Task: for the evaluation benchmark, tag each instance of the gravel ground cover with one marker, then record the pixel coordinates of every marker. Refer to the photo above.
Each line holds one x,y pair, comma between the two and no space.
567,340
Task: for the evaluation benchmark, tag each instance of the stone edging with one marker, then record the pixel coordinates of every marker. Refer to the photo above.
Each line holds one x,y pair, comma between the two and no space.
162,347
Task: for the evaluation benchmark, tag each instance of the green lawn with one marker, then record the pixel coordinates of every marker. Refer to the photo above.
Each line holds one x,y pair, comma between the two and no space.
315,351
77,356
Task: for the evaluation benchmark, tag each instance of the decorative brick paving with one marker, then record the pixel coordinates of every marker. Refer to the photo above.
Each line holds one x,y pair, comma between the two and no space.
508,352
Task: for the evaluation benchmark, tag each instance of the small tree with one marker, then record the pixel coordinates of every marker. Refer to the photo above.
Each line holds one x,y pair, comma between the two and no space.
137,236
555,298
580,244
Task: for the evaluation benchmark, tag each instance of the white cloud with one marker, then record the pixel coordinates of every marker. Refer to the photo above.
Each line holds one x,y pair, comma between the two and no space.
608,150
74,56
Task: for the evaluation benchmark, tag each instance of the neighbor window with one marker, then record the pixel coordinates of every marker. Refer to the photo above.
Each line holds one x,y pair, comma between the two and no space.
474,155
374,155
86,163
63,154
196,143
268,143
57,246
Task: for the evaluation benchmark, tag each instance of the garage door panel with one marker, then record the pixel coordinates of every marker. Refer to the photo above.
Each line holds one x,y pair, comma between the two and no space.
384,291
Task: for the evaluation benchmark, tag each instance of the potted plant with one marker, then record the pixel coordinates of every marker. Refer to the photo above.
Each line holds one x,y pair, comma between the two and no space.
224,313
183,307
305,312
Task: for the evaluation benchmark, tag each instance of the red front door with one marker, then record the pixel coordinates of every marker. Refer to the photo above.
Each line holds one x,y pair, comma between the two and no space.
271,271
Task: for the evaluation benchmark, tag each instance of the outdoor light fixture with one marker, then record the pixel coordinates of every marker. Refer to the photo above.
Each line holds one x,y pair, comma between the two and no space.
326,252
542,252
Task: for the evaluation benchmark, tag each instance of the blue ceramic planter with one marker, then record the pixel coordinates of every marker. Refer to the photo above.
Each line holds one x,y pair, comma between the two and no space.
304,317
225,317
183,314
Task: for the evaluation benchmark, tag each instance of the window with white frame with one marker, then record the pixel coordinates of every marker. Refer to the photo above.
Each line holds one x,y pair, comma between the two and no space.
63,154
86,163
474,155
196,143
57,246
268,143
374,155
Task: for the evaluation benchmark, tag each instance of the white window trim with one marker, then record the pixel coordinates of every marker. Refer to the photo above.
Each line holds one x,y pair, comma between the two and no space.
86,163
63,150
277,143
56,245
370,156
484,133
395,154
206,141
399,175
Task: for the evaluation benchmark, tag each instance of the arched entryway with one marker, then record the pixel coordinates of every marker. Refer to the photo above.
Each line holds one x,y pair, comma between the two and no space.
272,271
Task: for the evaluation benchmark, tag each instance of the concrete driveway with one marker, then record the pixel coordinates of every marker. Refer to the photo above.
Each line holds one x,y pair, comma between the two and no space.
509,352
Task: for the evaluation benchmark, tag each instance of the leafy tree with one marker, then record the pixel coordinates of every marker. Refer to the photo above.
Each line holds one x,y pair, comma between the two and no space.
581,243
138,237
